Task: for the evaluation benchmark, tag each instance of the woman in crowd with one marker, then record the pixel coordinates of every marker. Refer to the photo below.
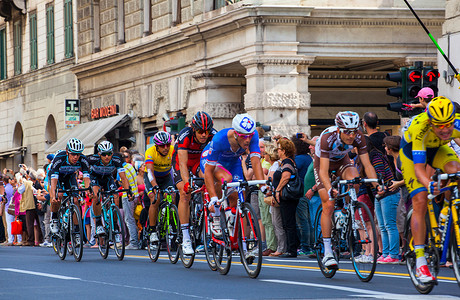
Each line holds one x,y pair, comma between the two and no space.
288,204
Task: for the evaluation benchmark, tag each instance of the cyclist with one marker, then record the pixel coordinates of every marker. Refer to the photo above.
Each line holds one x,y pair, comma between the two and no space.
221,160
426,141
102,167
331,154
186,159
63,174
157,175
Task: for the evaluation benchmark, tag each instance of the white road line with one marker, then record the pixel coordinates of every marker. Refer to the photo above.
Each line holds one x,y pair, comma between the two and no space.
100,282
361,292
40,274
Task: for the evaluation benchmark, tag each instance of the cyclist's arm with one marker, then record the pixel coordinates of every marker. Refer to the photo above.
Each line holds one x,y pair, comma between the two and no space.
422,176
150,174
183,160
209,180
324,172
53,189
368,168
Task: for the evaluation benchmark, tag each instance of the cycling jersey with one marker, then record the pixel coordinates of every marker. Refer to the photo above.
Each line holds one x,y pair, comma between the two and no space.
102,175
219,153
420,144
60,166
161,164
330,146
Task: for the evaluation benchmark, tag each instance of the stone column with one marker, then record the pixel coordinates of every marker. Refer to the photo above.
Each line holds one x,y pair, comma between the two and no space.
219,94
277,92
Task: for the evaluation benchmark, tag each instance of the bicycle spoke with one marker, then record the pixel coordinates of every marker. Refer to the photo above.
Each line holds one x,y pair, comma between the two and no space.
249,241
118,232
76,236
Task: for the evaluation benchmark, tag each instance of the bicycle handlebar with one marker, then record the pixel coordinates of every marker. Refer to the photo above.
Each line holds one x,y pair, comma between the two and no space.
73,191
114,191
244,183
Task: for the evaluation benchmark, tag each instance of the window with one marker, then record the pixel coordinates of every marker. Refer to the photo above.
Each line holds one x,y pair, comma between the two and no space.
222,3
50,34
68,28
17,47
2,54
33,41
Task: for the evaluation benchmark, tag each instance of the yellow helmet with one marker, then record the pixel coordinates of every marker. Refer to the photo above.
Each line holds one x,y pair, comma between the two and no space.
441,110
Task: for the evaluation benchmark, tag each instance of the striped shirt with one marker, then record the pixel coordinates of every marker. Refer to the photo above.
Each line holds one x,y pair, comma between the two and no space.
132,179
380,163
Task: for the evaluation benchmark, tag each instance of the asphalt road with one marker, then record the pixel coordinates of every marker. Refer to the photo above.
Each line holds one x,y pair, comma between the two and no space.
37,273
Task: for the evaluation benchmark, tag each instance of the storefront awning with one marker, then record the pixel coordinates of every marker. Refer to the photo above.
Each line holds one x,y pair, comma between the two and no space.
89,133
12,152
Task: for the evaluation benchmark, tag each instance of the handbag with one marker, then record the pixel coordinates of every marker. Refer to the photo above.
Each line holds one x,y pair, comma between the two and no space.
16,226
293,190
11,208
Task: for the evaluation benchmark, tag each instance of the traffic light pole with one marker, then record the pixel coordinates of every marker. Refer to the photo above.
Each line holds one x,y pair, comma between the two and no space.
457,76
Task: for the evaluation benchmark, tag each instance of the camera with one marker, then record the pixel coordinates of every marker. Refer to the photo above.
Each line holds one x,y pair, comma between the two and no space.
299,135
267,138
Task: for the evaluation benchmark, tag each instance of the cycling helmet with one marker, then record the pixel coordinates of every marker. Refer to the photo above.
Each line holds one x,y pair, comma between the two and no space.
202,121
347,119
105,146
441,110
75,146
161,138
244,123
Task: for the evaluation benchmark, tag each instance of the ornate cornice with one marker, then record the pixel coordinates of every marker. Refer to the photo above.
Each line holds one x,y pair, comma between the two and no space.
347,75
211,74
224,110
277,100
278,60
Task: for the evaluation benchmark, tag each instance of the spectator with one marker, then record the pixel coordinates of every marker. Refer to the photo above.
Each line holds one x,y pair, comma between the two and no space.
385,207
27,191
288,206
19,211
392,147
9,182
370,123
38,187
129,205
271,156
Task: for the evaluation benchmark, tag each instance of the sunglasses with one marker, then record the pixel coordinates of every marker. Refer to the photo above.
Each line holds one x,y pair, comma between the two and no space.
442,126
164,145
125,156
201,131
106,153
74,154
244,136
348,131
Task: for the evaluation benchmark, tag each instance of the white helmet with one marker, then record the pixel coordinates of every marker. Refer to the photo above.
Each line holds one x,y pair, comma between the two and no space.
244,123
74,145
347,119
105,146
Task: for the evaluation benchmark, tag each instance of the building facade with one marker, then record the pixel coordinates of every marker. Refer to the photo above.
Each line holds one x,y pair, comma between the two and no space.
291,64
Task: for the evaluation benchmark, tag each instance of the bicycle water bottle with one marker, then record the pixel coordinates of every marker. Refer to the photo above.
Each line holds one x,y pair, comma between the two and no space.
65,218
443,218
338,217
230,215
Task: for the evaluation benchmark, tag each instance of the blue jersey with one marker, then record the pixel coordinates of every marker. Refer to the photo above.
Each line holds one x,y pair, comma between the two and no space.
60,166
220,151
99,169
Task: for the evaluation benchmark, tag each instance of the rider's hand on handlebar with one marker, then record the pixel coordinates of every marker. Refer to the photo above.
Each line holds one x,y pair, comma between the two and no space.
187,188
433,188
333,193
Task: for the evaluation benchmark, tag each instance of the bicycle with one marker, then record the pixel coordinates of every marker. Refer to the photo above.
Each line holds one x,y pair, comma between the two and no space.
439,237
70,226
350,235
168,227
202,229
113,225
240,233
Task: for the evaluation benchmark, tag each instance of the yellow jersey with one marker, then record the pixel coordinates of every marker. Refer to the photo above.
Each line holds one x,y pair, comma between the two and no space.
161,164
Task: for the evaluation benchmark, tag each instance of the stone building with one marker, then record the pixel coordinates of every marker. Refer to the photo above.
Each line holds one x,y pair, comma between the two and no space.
292,64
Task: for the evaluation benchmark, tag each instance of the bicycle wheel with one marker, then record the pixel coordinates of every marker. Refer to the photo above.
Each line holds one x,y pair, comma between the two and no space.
154,248
250,241
223,253
319,246
362,239
409,254
208,243
172,236
75,229
103,242
187,260
455,255
60,239
118,232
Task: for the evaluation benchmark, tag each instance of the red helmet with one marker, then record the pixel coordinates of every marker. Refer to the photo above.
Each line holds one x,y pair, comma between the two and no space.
202,121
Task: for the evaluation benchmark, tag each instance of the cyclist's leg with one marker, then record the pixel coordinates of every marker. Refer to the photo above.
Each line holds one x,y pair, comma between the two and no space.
153,208
184,206
95,186
54,224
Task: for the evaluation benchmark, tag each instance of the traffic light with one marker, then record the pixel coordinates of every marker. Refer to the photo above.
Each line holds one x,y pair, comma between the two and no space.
430,79
175,124
414,84
400,79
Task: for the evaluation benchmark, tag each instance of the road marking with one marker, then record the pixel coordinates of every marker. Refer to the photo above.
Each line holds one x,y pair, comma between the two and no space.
343,271
40,274
362,292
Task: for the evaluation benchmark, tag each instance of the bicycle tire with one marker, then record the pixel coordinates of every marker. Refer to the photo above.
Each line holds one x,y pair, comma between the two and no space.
103,242
252,257
172,236
356,243
208,243
187,260
223,253
319,246
60,239
117,221
153,249
409,255
76,237
455,255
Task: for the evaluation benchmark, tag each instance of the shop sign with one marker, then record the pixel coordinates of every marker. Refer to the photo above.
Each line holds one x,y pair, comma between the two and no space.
104,112
72,112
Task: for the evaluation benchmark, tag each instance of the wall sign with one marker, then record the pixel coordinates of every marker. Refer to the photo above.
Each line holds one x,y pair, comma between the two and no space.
72,112
104,112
